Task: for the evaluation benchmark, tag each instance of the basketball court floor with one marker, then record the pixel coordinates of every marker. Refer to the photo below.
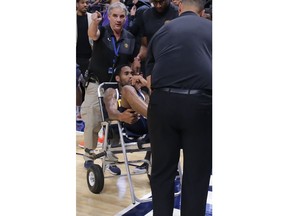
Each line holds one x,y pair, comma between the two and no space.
115,199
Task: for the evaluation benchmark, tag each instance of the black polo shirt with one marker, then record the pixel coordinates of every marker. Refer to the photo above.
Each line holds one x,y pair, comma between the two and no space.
103,53
180,54
153,20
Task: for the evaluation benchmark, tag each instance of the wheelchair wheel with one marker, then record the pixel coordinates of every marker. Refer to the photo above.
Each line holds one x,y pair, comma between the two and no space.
95,179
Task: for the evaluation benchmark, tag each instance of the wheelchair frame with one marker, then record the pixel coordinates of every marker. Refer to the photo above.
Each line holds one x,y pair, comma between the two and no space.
95,174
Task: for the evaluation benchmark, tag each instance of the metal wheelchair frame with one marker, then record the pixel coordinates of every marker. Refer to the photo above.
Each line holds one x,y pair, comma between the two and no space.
95,174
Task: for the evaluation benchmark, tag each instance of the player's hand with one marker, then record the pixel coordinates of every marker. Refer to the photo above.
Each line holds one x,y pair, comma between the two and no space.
129,116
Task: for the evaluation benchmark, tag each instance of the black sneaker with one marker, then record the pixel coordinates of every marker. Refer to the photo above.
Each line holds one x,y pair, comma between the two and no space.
113,169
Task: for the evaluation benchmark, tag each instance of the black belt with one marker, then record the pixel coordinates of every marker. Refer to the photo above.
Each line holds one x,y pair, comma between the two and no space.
185,91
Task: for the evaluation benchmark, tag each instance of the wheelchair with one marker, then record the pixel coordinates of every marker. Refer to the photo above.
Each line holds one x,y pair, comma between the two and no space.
115,143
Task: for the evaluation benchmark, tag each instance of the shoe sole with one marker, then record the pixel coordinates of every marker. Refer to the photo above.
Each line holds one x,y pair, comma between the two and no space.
139,171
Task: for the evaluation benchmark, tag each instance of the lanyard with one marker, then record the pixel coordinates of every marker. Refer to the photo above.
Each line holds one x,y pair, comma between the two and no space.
116,50
115,58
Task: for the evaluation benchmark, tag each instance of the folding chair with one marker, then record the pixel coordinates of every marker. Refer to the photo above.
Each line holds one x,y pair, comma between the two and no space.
95,174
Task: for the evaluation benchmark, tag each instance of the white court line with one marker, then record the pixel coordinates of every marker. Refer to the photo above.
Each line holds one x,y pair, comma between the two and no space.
209,198
132,205
176,212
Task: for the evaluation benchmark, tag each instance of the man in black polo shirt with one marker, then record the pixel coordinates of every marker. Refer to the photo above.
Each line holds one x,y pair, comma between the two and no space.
152,20
112,45
179,67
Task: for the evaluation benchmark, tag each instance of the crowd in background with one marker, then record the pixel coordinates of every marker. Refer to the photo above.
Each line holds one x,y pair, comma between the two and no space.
134,24
168,45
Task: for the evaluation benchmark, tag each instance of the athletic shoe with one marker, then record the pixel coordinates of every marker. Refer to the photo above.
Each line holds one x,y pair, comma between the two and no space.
113,169
141,169
88,164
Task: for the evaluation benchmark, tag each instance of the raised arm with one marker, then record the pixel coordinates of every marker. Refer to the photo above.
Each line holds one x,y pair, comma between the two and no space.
93,31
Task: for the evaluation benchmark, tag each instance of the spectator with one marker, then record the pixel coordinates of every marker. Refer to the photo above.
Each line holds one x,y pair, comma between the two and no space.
176,2
136,22
135,17
98,5
78,93
83,44
208,10
153,19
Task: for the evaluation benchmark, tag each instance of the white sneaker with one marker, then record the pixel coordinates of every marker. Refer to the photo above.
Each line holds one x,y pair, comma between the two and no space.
140,169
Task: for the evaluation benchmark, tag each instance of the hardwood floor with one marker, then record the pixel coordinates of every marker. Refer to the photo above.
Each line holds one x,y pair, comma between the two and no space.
115,195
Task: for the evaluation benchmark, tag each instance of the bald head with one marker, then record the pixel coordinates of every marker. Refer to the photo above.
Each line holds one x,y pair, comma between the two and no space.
196,6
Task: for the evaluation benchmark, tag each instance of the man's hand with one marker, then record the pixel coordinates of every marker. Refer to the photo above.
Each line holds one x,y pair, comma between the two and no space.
133,10
96,17
93,31
129,116
138,81
136,65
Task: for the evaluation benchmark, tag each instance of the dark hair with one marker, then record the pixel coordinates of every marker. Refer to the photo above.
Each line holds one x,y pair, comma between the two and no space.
118,69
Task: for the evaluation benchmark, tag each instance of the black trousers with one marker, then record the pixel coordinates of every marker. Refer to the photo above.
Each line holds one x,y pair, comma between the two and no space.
178,121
